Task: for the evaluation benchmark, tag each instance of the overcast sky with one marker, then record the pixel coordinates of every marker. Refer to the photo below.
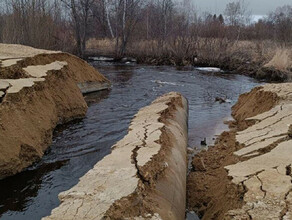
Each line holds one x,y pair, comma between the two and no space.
258,7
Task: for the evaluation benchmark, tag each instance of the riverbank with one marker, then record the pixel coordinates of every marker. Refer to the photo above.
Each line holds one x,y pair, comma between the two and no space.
78,146
39,89
263,60
247,174
144,177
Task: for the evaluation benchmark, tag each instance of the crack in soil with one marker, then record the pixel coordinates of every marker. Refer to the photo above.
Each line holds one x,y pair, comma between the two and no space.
281,119
256,137
139,173
260,120
286,209
247,212
288,170
267,138
135,154
261,187
266,127
79,207
266,149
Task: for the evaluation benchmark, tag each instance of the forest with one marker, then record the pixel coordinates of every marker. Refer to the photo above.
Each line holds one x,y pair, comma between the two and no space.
153,31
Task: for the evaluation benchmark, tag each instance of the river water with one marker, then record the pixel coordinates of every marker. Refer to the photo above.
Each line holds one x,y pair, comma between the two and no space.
79,145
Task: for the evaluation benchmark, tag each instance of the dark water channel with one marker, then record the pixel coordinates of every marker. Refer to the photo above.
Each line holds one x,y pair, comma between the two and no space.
77,146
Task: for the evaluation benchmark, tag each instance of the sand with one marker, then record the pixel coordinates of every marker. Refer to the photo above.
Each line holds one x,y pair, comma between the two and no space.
144,177
247,173
15,51
40,91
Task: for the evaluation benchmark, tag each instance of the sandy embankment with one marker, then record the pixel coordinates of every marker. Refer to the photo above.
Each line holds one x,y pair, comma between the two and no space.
38,90
145,175
247,174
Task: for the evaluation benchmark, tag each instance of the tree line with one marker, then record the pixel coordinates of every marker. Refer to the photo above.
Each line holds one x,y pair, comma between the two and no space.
68,24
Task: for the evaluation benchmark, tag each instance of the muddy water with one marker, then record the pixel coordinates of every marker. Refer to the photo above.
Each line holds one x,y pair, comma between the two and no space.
77,146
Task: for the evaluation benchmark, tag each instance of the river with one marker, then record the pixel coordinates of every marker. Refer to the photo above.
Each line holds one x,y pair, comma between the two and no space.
78,145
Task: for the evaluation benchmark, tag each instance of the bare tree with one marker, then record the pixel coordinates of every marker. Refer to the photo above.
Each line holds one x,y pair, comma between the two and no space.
80,14
281,20
166,28
102,14
237,15
108,18
30,22
166,14
128,13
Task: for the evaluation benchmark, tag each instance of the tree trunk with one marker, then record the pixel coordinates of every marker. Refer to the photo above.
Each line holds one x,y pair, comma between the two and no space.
122,49
108,19
77,29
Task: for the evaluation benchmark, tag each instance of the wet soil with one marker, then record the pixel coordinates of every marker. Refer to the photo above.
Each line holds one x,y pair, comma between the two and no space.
211,194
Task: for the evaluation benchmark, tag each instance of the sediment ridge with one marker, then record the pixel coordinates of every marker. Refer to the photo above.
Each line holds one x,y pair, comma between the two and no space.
144,177
39,89
247,174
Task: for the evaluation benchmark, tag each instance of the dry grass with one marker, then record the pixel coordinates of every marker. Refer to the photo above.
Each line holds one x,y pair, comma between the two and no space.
210,49
281,60
242,56
102,46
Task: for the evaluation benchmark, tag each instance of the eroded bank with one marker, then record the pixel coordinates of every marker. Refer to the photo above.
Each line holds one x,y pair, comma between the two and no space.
247,174
145,174
39,89
77,147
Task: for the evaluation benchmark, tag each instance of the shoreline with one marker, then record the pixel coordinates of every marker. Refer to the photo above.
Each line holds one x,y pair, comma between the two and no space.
256,70
134,180
226,177
259,61
213,180
36,91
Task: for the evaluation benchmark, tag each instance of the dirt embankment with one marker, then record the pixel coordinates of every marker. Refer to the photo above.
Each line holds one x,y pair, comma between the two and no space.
38,91
247,174
144,177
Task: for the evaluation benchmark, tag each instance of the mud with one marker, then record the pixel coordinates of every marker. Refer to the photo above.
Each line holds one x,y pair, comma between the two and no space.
246,174
144,177
42,92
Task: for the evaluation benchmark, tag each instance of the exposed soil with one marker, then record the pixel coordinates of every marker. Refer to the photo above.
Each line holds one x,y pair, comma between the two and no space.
253,103
144,177
151,193
210,192
28,118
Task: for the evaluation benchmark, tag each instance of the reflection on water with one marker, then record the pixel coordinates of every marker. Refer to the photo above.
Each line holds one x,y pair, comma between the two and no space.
29,182
77,146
